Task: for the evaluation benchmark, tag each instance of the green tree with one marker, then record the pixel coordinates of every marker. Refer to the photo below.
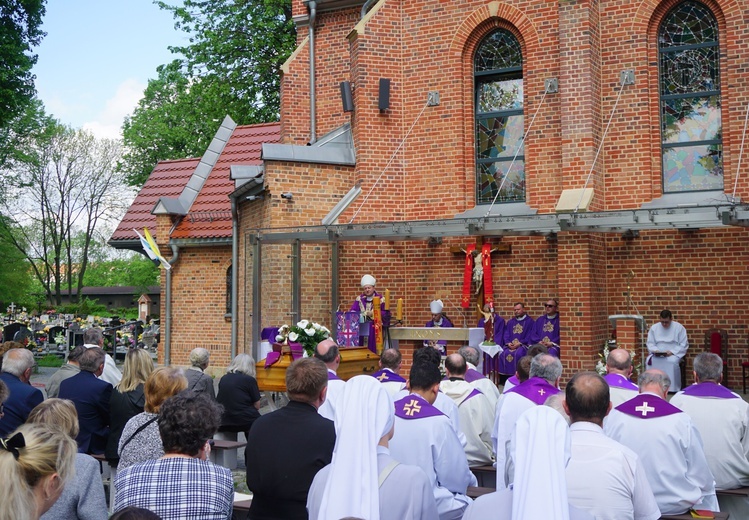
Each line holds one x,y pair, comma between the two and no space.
20,30
66,187
136,271
15,276
231,66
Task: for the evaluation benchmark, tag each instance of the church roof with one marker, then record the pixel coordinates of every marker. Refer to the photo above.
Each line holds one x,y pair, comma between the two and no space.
209,214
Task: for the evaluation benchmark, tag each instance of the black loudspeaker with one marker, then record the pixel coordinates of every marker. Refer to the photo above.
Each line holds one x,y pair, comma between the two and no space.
384,103
346,98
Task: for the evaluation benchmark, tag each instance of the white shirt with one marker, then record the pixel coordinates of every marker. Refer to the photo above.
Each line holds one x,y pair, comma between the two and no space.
670,450
406,493
499,505
335,391
476,420
431,444
606,479
111,374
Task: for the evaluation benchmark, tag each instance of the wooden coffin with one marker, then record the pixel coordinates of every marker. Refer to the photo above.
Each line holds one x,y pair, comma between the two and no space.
354,361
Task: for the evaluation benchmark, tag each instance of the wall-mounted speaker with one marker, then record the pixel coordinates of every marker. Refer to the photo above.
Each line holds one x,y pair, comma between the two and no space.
384,102
346,98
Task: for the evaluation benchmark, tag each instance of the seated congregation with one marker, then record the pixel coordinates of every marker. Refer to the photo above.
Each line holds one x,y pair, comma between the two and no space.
391,447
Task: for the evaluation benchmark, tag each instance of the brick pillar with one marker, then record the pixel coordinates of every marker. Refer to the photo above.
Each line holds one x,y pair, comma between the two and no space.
581,271
628,334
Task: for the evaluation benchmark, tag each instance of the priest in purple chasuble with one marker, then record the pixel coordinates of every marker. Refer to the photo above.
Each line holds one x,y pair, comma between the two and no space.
546,328
515,341
668,444
363,305
438,320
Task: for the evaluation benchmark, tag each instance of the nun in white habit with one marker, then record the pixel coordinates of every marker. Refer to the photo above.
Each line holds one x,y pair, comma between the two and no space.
363,481
540,451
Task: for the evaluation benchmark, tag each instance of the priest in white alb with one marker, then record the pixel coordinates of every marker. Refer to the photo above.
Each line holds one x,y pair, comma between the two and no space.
667,344
722,418
668,444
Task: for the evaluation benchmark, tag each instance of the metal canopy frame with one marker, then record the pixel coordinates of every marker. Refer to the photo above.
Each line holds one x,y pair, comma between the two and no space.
714,216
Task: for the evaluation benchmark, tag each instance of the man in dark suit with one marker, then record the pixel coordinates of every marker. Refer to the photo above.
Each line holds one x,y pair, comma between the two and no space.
18,363
91,398
286,448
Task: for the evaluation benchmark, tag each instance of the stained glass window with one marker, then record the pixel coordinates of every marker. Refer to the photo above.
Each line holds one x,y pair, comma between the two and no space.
691,128
500,160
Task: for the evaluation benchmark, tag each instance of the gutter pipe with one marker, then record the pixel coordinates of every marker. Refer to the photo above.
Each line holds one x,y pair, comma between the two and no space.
234,274
312,95
168,333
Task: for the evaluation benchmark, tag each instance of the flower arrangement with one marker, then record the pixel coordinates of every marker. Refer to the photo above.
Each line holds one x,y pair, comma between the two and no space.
306,333
60,338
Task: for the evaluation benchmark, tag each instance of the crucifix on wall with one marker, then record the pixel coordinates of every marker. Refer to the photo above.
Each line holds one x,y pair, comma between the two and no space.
477,271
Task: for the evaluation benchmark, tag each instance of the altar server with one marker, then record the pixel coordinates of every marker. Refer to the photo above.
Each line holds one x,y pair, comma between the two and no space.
668,444
722,418
425,438
667,344
361,459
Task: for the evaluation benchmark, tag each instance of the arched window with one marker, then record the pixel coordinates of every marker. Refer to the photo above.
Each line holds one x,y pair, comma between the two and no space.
689,77
498,76
228,289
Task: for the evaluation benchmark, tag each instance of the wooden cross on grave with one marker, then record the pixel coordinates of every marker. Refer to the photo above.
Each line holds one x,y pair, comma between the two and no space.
497,248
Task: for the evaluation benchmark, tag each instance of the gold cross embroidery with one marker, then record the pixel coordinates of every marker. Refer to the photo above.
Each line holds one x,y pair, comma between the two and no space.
412,408
541,392
382,376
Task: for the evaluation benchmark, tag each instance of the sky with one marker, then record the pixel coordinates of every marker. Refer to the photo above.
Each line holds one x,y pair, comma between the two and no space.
97,58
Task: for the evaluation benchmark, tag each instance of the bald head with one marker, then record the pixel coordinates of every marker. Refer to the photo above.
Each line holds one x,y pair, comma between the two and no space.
654,381
587,398
456,366
391,358
327,352
619,362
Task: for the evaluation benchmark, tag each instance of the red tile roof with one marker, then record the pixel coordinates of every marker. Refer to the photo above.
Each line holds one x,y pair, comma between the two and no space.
210,214
166,180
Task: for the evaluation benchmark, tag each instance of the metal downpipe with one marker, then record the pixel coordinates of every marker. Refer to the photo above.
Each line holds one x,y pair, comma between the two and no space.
312,95
168,333
234,275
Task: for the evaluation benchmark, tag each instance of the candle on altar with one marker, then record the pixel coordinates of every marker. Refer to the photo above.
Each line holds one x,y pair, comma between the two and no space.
399,310
387,299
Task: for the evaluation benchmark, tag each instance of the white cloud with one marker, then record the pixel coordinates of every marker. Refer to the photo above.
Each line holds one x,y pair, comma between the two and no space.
108,122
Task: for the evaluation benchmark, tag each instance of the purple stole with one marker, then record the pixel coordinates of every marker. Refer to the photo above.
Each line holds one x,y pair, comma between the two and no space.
709,389
332,376
414,406
474,393
473,375
514,380
648,406
386,376
619,381
536,389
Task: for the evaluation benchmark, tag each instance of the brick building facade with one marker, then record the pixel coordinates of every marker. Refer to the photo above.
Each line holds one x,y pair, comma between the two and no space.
677,244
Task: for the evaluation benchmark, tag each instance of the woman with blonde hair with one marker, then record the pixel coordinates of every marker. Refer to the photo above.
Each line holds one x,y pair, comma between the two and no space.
82,497
128,398
239,395
140,440
36,462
